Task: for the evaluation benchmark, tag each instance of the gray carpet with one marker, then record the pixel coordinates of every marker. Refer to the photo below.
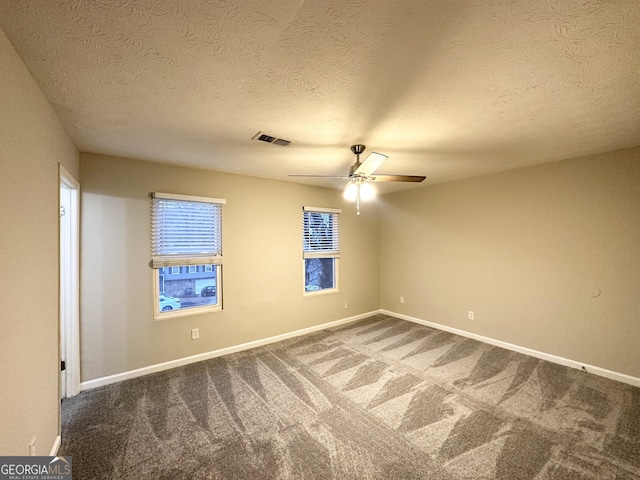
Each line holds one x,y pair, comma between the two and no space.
378,399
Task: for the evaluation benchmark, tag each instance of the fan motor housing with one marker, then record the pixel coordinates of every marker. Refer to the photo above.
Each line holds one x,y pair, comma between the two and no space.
357,149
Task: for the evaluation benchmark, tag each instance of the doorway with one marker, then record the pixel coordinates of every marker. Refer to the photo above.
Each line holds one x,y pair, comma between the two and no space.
69,284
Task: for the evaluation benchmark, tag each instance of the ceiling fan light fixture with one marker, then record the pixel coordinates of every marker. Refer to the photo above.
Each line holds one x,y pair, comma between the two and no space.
358,187
358,190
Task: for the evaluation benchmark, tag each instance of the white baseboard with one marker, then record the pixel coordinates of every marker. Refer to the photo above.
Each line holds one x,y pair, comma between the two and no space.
620,377
119,377
55,447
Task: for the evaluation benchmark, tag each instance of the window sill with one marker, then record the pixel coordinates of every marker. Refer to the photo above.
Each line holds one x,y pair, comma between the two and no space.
187,312
316,293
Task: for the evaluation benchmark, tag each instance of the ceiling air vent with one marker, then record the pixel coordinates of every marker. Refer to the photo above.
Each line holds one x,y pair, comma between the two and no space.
264,137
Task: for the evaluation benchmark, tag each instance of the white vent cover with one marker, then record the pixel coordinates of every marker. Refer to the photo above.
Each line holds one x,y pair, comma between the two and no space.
265,137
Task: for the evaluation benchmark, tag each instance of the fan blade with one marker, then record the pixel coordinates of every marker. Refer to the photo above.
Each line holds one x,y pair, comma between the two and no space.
343,177
396,178
370,164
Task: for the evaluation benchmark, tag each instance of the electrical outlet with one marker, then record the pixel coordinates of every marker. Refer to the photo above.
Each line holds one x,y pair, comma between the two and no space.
195,333
32,447
401,299
345,304
470,315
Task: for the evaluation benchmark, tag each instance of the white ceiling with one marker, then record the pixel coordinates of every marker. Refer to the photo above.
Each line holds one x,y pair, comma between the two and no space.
446,88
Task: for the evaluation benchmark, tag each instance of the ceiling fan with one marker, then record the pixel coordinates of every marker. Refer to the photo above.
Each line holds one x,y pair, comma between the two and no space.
361,174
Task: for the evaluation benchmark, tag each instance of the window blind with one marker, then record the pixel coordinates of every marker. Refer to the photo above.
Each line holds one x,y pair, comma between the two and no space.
321,232
185,230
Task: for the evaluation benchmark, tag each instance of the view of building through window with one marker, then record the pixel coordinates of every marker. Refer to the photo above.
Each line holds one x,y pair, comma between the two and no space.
187,287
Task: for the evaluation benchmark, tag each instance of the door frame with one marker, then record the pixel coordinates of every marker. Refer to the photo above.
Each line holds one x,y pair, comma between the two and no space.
69,289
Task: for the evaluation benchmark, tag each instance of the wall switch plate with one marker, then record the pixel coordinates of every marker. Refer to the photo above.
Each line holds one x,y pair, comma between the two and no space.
470,315
195,333
345,304
401,299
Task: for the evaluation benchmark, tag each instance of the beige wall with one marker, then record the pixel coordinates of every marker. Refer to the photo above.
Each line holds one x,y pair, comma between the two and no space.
263,274
32,143
527,251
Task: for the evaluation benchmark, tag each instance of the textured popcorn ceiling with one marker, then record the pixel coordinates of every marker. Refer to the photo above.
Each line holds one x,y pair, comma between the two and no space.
446,88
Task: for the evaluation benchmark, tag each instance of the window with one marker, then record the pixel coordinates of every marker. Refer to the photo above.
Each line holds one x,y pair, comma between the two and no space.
186,233
320,248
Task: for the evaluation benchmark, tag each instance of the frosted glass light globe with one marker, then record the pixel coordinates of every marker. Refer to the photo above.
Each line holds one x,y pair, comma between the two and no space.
367,192
350,192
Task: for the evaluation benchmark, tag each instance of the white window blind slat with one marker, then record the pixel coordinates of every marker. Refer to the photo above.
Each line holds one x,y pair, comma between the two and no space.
322,254
159,262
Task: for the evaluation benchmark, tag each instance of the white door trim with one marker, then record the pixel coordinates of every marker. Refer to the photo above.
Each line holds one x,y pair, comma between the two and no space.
70,289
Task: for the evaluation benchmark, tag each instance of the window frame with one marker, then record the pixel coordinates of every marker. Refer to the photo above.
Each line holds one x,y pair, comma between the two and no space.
333,254
161,258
